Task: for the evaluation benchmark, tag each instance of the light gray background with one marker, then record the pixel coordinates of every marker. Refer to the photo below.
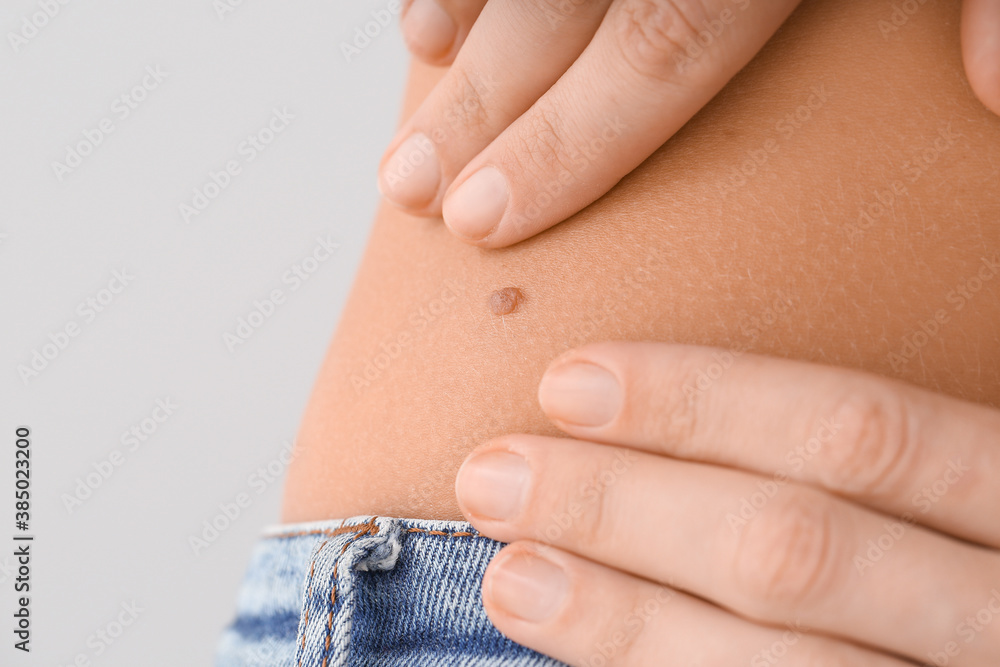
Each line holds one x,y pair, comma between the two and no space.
162,336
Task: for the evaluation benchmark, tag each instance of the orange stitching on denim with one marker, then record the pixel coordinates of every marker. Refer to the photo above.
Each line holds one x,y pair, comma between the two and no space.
441,532
312,569
369,529
363,527
336,531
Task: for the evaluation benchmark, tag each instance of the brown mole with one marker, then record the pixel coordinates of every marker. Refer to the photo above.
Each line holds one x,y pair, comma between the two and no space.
505,301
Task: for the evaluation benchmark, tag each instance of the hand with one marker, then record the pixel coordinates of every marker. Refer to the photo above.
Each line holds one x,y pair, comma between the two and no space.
548,104
743,510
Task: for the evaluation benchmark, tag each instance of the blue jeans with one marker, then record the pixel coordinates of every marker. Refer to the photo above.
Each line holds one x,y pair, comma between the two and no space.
369,591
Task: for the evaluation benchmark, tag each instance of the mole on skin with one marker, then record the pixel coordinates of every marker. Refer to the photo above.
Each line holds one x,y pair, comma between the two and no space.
505,301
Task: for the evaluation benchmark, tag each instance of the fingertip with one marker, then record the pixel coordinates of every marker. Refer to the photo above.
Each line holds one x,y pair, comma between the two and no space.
981,50
429,32
410,175
525,586
986,86
474,209
581,393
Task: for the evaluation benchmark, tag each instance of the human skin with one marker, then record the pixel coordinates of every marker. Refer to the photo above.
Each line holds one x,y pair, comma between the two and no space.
809,514
682,250
564,66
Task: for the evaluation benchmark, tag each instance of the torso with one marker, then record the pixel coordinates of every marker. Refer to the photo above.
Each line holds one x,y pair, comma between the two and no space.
839,202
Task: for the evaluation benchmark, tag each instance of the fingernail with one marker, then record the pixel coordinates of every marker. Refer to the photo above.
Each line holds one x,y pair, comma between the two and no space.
492,484
528,586
580,393
428,29
412,175
477,206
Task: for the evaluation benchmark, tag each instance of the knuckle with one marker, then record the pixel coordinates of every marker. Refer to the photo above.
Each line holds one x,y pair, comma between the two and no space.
785,556
677,397
640,637
550,8
870,444
539,145
615,647
540,153
589,513
548,16
597,524
542,137
465,106
653,35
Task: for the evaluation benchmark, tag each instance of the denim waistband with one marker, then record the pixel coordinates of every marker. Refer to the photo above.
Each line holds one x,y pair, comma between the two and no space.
369,590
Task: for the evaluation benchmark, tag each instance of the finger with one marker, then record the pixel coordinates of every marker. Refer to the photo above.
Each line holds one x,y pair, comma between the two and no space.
981,49
800,556
642,77
514,52
887,444
434,30
585,614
